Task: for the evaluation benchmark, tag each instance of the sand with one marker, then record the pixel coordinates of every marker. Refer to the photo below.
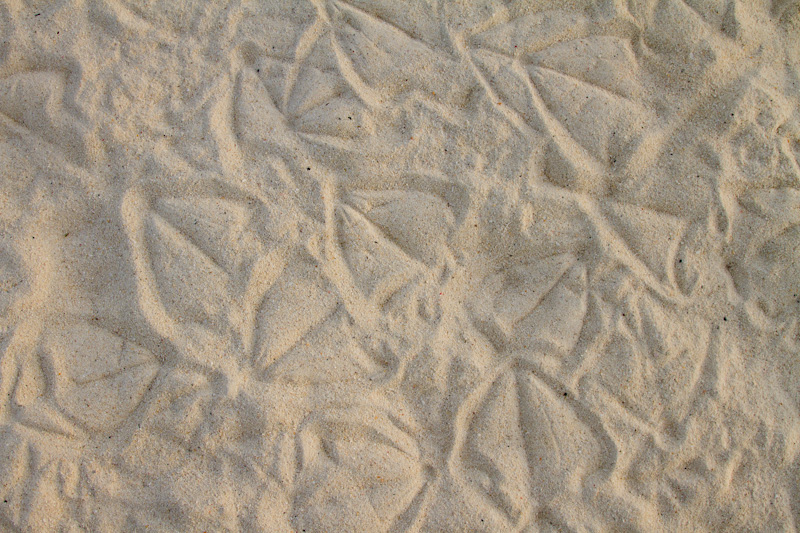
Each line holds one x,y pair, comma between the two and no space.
371,266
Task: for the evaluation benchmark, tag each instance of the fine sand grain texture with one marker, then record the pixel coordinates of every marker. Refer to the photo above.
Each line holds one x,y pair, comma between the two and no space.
384,265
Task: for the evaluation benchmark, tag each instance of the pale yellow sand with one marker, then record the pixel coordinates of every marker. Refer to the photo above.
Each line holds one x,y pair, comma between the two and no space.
400,266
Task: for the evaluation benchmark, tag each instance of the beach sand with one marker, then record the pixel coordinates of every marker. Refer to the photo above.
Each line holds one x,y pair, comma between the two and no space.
371,266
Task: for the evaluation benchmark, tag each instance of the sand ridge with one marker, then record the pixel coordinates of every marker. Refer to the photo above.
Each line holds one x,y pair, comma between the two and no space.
370,266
